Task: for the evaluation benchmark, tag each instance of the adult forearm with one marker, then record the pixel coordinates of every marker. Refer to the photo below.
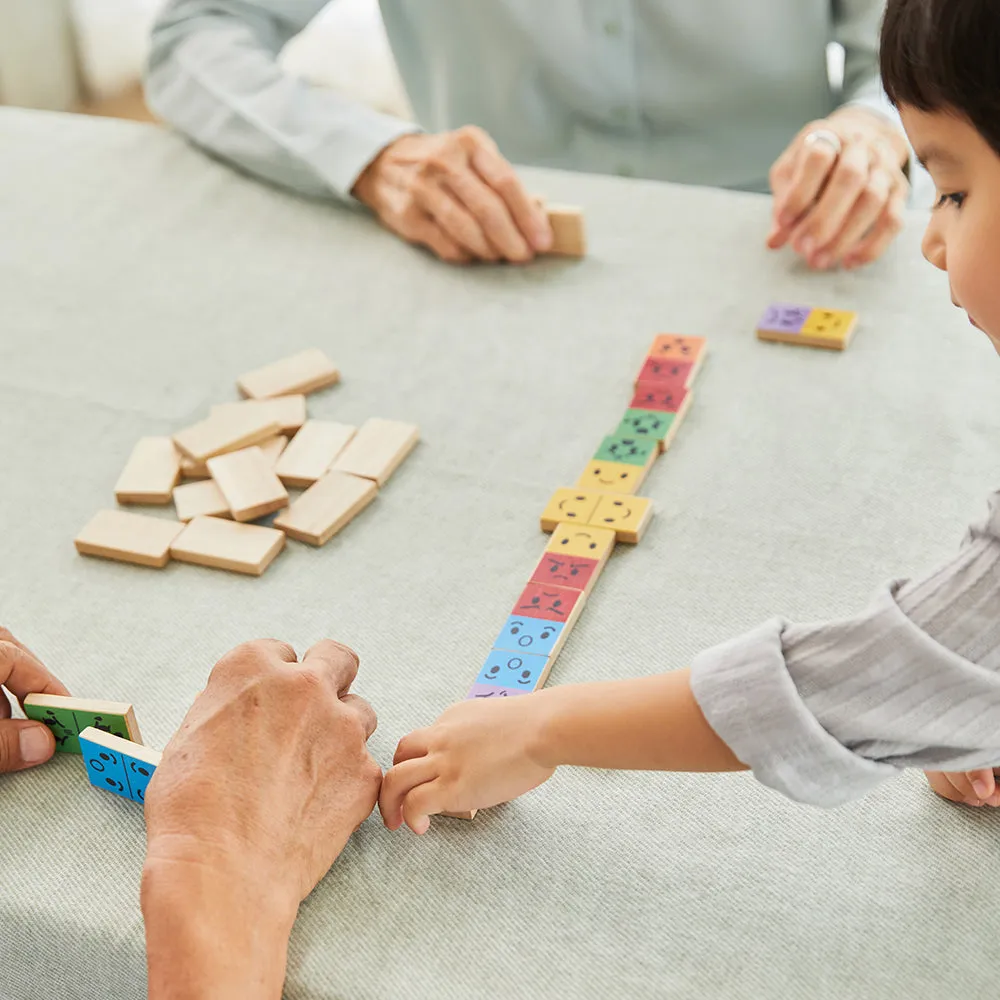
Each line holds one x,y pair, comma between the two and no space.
651,723
209,936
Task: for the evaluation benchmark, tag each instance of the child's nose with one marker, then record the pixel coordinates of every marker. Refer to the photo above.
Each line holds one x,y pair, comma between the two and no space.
933,245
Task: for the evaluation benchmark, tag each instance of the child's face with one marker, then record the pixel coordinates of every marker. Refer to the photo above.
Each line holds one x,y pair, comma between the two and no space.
963,235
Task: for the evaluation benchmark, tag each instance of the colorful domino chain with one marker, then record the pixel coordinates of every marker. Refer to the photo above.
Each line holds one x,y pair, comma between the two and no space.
588,519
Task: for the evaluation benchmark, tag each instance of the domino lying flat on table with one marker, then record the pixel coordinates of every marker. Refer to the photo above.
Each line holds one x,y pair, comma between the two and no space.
792,324
116,765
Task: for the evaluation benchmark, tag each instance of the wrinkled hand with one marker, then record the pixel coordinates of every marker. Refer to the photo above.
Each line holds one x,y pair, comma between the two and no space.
971,788
840,209
479,753
269,774
23,743
455,194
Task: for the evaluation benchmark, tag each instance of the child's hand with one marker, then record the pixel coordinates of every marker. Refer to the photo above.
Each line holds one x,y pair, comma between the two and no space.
971,788
477,754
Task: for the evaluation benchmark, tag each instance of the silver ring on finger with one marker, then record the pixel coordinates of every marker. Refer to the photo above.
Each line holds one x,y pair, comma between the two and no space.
825,135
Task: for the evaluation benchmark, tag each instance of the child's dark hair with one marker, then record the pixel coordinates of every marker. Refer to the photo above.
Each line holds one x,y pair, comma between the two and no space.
944,55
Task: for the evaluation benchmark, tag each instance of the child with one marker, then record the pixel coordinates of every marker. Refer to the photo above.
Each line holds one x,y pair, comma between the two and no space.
820,712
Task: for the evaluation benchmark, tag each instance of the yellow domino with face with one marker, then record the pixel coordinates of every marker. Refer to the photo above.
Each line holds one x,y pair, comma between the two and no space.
627,516
569,505
581,541
613,477
834,326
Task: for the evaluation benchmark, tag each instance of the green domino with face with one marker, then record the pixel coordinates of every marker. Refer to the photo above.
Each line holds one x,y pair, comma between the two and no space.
646,424
114,724
631,449
62,723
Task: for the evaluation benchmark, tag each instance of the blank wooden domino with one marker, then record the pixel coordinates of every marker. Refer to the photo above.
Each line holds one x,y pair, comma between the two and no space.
376,451
312,452
67,717
225,432
272,448
127,537
326,507
190,469
288,411
247,481
569,237
299,374
200,499
151,472
786,323
242,548
118,766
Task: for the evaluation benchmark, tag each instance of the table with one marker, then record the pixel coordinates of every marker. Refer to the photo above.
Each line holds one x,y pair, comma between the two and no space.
138,278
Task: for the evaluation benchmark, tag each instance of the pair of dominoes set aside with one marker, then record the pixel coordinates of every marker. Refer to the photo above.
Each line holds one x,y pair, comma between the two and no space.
586,521
243,458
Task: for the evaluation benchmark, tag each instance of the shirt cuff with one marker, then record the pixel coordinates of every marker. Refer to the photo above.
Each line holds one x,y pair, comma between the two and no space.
748,697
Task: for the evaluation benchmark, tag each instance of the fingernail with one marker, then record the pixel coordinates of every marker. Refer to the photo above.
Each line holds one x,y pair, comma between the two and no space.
823,261
35,744
541,238
981,788
807,246
785,219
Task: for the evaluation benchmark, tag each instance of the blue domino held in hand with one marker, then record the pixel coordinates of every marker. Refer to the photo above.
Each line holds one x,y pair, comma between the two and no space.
116,765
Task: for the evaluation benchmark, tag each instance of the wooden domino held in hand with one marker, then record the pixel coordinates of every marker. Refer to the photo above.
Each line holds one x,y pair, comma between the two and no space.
67,717
118,765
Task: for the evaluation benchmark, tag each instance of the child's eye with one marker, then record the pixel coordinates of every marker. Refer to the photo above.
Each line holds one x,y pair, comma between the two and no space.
955,198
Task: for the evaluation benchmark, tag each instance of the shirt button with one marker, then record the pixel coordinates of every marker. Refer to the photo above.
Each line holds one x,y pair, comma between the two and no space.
612,28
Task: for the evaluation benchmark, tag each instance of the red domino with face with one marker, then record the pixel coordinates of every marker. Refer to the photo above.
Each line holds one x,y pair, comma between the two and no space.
552,604
666,370
658,396
564,571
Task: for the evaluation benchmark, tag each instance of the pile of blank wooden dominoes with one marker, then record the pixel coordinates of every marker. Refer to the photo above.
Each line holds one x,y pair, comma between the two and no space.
241,460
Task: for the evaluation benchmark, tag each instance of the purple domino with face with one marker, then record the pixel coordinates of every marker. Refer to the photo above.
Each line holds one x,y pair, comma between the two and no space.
782,317
490,691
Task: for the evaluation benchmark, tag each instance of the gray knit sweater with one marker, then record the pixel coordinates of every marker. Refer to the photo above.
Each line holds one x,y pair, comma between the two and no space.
824,712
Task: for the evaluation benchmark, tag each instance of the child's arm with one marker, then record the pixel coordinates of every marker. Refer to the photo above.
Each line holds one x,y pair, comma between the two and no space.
480,753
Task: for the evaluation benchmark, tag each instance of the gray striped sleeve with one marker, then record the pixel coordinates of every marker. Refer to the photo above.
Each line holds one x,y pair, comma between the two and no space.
824,712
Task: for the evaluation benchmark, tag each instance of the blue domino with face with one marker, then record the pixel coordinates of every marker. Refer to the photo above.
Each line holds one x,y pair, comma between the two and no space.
529,635
115,771
505,668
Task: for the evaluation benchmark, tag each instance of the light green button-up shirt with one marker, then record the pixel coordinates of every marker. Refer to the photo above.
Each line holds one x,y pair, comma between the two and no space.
697,91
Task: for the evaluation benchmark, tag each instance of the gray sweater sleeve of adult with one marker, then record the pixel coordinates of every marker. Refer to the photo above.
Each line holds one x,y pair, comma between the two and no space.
214,74
825,712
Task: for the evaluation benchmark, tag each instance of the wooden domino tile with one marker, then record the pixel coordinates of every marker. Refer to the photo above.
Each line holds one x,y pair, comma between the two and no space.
794,324
377,450
326,507
614,477
117,765
67,717
574,557
241,548
657,425
127,537
574,505
507,672
682,373
299,374
200,499
312,452
289,412
151,472
569,238
225,432
272,448
248,482
629,517
673,347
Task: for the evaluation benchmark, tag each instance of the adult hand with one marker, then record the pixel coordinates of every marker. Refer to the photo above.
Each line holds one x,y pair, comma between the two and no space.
256,795
971,788
840,207
478,753
455,194
23,743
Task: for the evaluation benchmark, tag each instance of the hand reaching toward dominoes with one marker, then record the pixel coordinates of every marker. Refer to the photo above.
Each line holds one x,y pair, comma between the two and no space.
971,788
455,194
256,796
477,754
23,743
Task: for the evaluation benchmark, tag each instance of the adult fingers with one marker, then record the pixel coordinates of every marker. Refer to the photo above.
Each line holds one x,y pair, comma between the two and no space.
528,215
455,220
336,662
846,182
397,783
780,178
492,214
814,164
22,673
867,210
883,233
413,745
363,710
428,233
24,744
